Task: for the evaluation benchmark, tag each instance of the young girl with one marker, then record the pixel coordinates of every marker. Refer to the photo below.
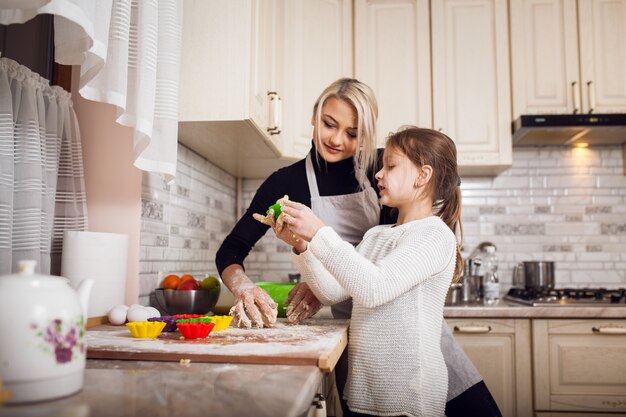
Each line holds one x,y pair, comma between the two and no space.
398,277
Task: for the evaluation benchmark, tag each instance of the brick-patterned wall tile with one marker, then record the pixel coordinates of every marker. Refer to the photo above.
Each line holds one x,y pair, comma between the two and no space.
554,203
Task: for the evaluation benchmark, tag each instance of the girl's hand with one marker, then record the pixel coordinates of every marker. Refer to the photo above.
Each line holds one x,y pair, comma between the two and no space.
300,220
268,219
302,303
283,233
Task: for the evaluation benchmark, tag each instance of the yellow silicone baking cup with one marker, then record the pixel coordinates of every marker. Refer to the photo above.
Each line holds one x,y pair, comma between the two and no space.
145,329
221,322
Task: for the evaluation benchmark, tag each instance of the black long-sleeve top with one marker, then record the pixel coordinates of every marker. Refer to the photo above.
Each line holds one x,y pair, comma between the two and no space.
336,178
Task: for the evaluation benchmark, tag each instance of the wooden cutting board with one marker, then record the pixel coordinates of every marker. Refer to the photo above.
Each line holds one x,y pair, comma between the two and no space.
317,342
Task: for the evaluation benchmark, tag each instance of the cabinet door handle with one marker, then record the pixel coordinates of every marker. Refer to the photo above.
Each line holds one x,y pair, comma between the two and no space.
608,330
592,96
472,329
276,113
576,96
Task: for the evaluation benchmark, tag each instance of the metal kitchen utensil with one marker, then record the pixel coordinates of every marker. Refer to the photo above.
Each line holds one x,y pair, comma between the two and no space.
518,276
186,301
455,294
472,288
538,274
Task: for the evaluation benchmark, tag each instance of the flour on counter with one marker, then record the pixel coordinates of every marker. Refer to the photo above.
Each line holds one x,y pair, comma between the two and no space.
283,343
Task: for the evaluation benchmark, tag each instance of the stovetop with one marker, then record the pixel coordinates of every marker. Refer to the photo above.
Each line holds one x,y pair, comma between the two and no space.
569,297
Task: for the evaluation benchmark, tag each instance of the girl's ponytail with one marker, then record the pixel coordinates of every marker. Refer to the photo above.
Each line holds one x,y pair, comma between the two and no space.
450,213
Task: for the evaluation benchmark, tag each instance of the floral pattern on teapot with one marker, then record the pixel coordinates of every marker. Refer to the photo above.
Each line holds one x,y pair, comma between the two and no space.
64,340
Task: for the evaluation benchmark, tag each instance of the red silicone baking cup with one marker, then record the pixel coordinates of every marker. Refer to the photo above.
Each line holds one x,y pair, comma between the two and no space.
195,330
188,316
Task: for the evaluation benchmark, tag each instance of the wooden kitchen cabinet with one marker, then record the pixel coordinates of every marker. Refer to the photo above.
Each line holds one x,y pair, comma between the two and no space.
568,56
467,95
392,55
239,35
229,106
579,366
501,351
314,48
471,81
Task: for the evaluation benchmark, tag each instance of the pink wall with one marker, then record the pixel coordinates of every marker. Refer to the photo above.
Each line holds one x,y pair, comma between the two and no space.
113,184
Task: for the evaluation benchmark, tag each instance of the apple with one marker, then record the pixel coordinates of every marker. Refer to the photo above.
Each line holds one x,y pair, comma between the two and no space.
188,285
210,282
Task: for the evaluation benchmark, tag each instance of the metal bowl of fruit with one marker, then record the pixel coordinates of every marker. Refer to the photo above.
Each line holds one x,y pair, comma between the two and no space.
188,295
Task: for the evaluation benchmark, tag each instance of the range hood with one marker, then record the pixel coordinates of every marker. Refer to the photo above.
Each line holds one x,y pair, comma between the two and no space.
570,129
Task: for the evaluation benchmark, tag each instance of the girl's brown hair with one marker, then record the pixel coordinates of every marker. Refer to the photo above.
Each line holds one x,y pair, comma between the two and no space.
430,147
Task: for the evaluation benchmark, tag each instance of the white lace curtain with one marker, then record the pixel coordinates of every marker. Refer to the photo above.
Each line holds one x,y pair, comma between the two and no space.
129,53
41,169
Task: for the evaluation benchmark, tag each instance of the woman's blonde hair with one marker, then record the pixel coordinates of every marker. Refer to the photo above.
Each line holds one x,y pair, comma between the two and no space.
430,147
362,98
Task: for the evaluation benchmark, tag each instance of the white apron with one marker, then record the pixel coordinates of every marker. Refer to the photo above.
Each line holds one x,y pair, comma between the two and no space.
350,215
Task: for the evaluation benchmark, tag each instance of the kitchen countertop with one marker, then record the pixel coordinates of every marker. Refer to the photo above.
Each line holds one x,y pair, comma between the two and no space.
258,372
511,309
162,389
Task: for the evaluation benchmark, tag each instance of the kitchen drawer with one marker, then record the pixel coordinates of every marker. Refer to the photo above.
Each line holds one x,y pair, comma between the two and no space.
500,350
580,365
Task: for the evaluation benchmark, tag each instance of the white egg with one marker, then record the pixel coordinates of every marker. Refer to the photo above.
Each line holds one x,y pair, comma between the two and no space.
124,306
117,315
153,312
135,305
138,314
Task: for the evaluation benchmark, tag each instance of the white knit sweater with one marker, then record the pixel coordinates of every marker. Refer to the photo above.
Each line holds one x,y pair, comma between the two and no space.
398,278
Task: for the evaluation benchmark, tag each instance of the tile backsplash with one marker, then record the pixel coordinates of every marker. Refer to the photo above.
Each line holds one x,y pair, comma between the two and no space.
183,223
566,205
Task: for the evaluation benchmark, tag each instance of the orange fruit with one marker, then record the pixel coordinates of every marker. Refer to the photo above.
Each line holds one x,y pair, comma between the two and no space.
171,281
186,277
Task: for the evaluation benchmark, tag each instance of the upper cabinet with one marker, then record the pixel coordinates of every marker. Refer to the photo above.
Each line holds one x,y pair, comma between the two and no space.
229,108
471,83
392,55
467,95
314,48
568,56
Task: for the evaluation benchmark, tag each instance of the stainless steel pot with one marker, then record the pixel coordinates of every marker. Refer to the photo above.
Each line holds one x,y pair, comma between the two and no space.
534,275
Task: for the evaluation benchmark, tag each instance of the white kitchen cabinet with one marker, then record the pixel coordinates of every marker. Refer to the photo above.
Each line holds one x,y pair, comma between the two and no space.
392,55
239,35
471,82
568,56
228,103
314,49
501,351
580,365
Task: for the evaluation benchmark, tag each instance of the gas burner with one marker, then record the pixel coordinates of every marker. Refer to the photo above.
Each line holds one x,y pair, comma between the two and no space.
568,296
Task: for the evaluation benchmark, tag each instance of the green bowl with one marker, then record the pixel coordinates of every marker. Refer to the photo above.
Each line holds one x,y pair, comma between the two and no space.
278,291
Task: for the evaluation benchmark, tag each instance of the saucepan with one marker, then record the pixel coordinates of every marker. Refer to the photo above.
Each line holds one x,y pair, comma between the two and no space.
537,275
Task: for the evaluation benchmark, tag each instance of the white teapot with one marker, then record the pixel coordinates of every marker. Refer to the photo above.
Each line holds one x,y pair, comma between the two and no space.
42,348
